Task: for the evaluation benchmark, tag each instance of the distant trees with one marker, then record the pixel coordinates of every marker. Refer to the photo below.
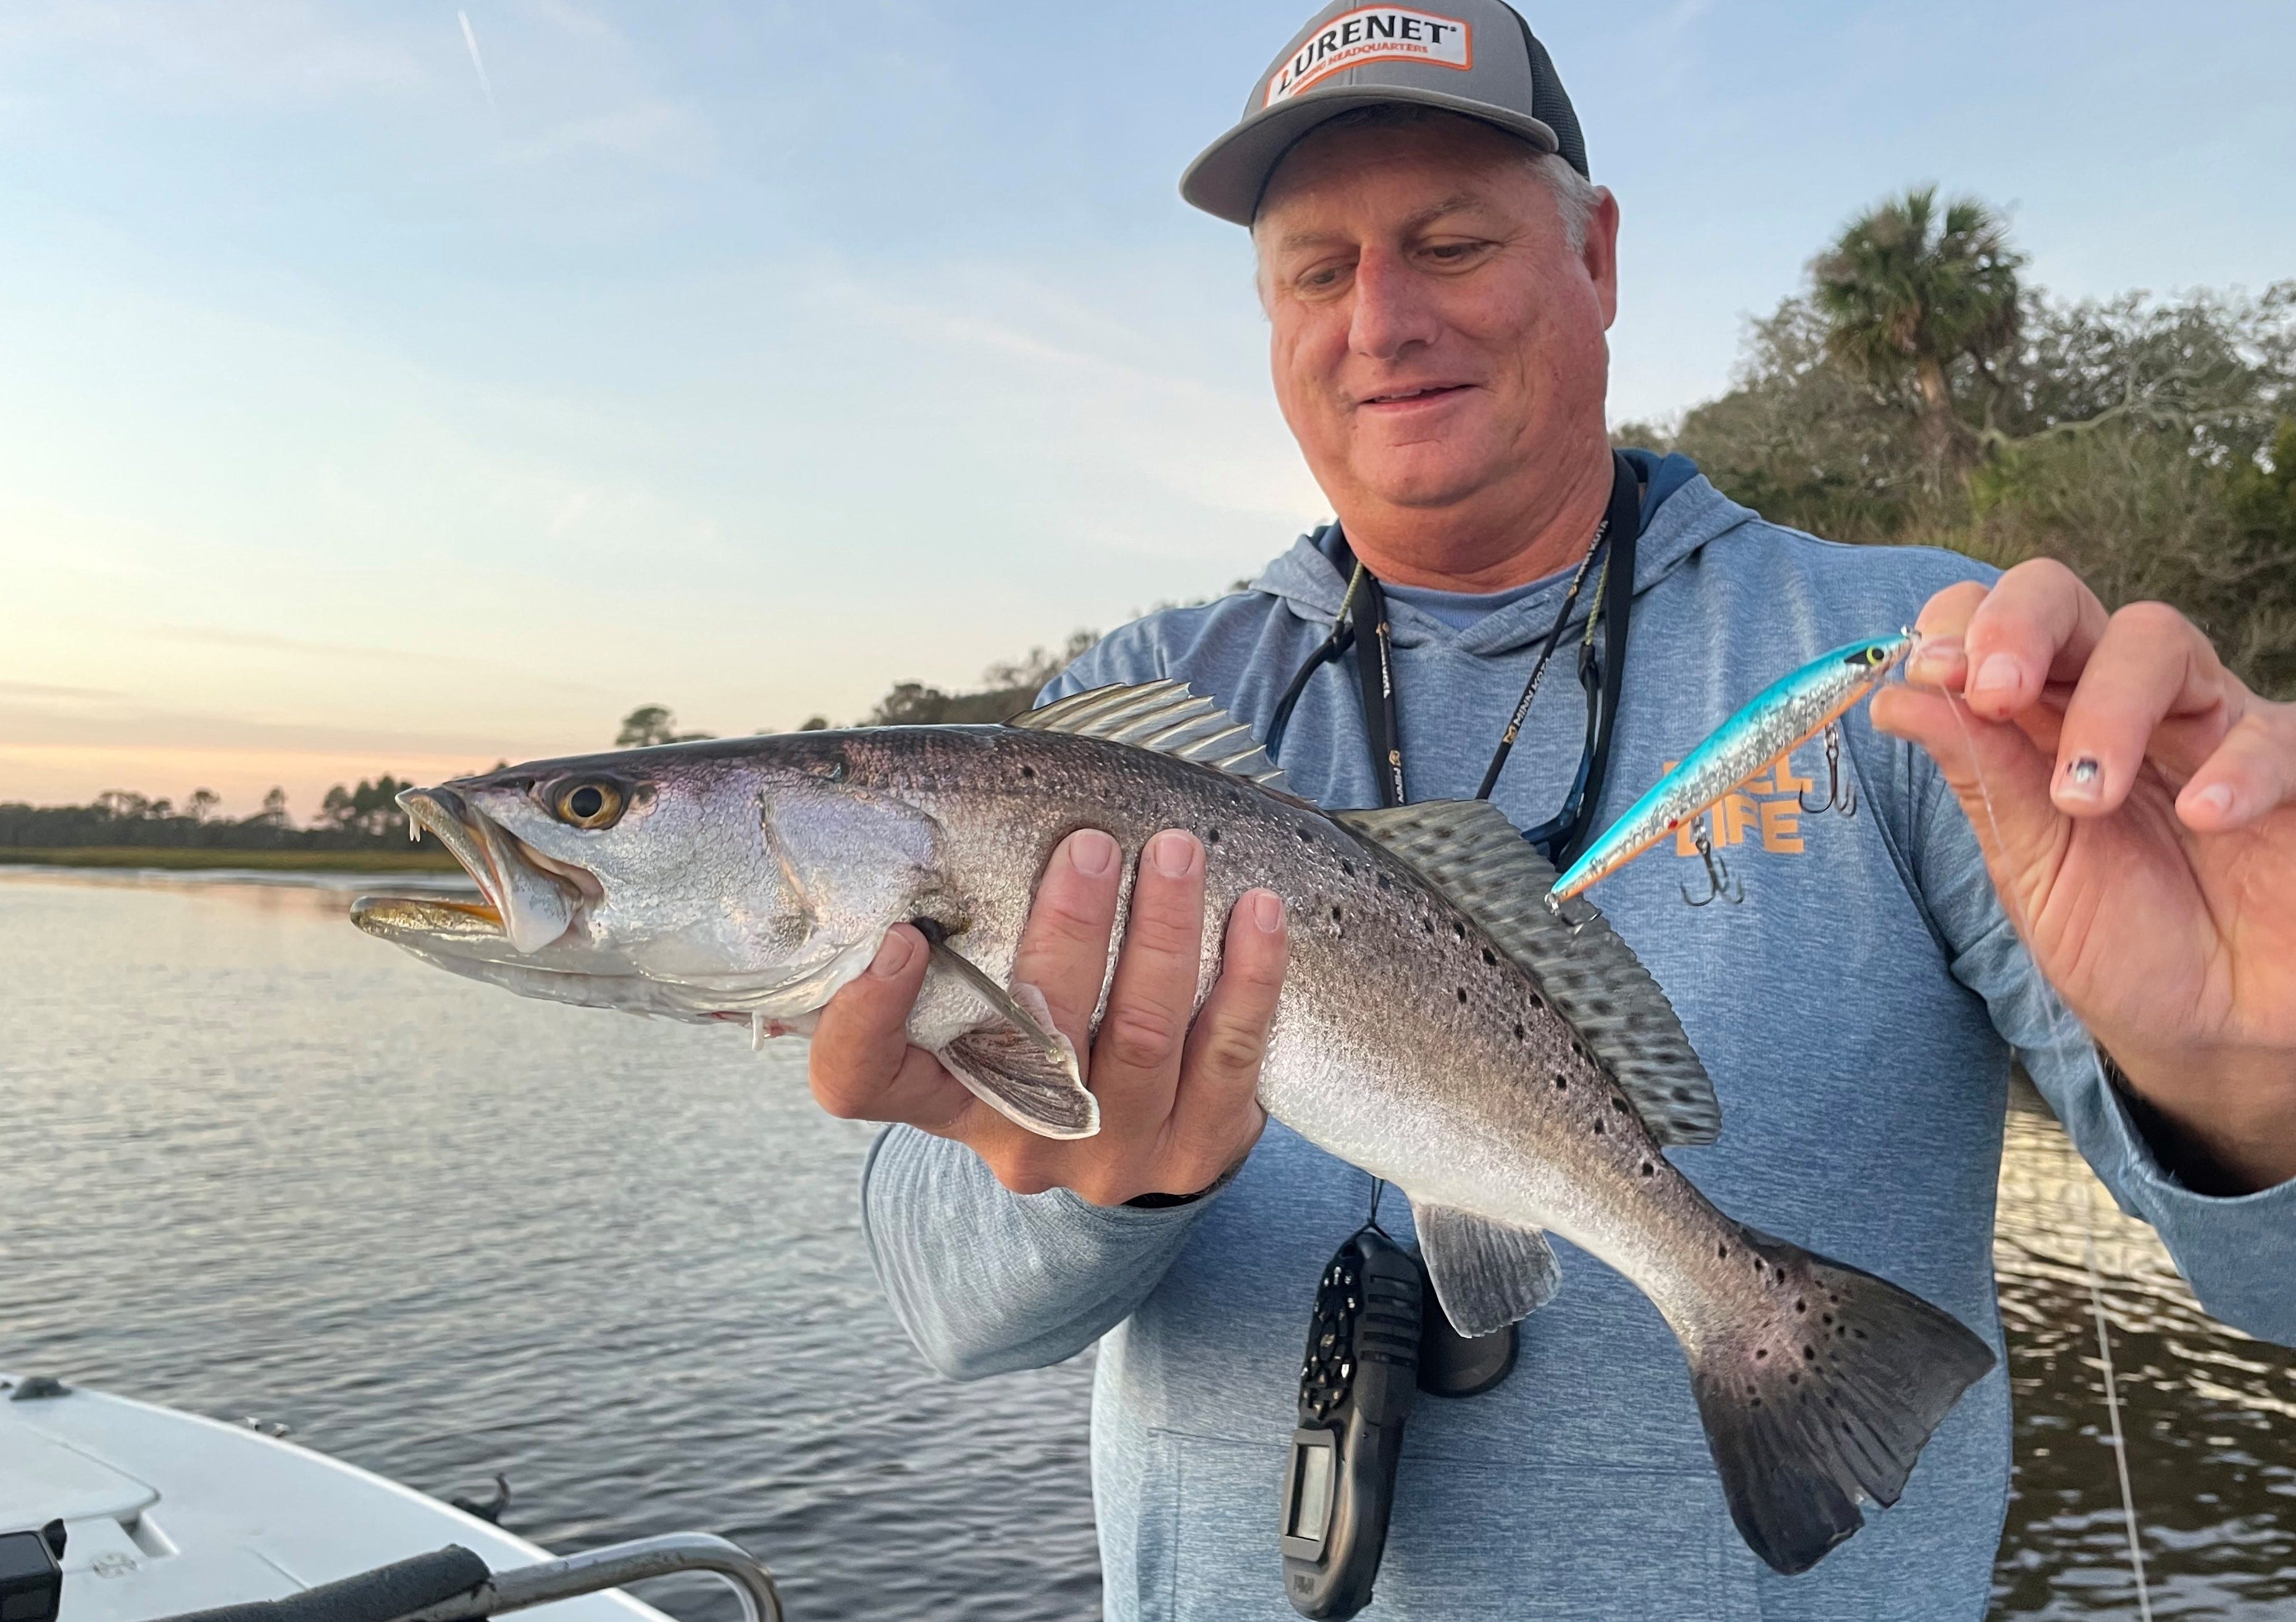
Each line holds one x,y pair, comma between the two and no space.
1907,290
1007,689
2149,443
370,809
648,724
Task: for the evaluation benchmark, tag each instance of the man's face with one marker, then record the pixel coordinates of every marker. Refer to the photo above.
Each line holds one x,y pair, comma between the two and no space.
1434,331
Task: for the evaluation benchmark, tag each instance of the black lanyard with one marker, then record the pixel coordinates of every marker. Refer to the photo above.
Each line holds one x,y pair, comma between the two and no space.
1362,624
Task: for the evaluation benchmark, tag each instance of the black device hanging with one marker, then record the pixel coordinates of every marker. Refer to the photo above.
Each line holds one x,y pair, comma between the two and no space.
1357,1386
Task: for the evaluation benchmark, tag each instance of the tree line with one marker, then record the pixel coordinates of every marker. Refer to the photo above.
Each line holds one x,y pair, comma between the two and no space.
365,818
1917,390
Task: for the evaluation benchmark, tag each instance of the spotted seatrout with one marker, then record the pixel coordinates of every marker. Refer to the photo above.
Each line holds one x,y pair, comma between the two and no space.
1510,1070
1779,719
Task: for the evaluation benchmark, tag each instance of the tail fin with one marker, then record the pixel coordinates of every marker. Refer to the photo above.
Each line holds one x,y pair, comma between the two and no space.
1822,1398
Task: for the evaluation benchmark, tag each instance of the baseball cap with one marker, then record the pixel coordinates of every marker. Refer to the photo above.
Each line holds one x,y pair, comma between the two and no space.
1474,57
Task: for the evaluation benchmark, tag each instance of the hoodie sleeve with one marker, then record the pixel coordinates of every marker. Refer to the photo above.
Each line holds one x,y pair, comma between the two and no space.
986,1281
2239,1255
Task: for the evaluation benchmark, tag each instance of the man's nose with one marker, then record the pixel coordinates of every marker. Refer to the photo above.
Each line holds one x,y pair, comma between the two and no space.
1393,309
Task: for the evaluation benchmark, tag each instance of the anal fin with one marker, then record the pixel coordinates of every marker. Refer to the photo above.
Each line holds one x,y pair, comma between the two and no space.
1487,1273
1019,1063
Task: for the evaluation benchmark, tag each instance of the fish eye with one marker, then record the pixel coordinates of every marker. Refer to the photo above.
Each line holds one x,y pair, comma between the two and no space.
590,802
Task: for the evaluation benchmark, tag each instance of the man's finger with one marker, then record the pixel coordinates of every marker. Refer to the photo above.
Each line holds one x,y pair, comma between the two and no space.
1215,1110
2037,625
2252,775
1135,1060
2150,664
862,1067
1064,951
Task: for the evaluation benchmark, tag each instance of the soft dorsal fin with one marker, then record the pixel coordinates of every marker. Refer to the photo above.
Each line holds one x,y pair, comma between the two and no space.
1468,851
1165,716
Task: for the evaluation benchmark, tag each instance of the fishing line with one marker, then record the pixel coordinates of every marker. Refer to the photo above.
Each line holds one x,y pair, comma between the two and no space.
2061,1014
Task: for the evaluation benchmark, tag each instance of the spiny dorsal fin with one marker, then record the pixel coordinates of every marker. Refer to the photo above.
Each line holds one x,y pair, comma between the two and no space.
1468,851
1165,716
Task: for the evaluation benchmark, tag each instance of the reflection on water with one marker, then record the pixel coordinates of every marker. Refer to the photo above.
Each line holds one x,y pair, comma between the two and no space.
261,1165
2207,1413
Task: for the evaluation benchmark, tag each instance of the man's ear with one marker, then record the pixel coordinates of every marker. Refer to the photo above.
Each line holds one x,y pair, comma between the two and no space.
1601,253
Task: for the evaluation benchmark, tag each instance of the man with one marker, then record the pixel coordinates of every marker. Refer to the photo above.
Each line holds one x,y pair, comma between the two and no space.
1438,275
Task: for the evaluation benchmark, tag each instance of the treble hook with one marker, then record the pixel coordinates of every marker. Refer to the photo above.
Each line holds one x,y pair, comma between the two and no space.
1841,790
1720,884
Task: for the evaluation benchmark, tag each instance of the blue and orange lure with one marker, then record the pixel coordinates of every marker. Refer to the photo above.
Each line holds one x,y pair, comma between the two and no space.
1782,718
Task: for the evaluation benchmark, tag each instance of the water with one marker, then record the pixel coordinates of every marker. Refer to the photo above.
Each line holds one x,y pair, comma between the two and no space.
261,1165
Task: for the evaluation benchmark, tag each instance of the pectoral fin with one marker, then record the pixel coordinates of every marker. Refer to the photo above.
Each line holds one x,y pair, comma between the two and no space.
1487,1273
1018,1062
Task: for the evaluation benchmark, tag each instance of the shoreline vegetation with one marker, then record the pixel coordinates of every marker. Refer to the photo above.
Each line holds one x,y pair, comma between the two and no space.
179,858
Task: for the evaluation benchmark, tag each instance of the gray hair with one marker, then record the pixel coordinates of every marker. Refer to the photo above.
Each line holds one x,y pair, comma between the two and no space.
1575,196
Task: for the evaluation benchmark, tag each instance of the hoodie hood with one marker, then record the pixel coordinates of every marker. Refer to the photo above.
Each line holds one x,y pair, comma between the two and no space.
1682,511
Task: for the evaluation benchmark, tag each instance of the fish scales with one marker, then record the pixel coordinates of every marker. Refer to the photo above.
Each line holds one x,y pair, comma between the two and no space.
1436,1026
1369,937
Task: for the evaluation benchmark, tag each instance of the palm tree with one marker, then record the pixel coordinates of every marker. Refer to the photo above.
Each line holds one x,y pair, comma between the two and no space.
1907,288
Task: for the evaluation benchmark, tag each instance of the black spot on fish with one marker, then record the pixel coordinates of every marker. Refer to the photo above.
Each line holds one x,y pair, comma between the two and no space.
1429,923
1460,929
1809,1354
1489,961
1307,837
1793,1380
1029,772
1518,1030
1721,1253
1598,1125
1212,836
1801,1305
1463,994
1648,1170
1536,1000
1561,1082
1619,1104
1755,1403
1682,1095
1384,883
1347,868
1335,914
1761,1352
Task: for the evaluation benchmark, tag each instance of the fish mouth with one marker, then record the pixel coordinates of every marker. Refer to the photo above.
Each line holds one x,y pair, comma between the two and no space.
530,901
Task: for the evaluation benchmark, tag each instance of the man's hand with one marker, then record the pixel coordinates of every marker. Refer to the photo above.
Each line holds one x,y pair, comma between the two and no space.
2136,805
1178,1102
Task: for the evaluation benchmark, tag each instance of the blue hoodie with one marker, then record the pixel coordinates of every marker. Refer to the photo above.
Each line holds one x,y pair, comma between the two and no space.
1856,1014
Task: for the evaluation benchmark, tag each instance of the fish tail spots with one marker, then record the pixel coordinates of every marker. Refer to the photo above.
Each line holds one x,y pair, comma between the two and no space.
1823,1398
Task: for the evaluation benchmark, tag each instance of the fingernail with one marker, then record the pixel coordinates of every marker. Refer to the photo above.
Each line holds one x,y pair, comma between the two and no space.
1173,854
893,955
2084,779
1999,674
1092,853
2217,797
1268,912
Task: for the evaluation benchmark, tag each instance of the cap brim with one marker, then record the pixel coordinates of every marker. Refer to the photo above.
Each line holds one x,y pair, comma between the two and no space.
1228,177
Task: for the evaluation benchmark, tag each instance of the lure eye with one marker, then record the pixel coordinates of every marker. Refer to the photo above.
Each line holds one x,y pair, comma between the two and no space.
593,802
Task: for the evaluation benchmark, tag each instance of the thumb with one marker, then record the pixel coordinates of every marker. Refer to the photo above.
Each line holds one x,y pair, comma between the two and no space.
2002,781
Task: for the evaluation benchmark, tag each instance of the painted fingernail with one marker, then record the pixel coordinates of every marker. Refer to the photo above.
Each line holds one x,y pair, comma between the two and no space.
1173,854
2084,779
1092,853
2217,797
1998,674
1268,912
893,955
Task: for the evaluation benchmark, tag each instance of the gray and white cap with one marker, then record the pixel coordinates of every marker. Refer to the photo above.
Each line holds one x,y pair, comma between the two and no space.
1475,57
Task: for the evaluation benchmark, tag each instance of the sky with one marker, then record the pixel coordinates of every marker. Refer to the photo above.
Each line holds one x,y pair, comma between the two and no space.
368,403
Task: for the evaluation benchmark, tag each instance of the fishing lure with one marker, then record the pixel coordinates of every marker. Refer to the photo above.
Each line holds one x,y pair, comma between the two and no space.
1782,718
